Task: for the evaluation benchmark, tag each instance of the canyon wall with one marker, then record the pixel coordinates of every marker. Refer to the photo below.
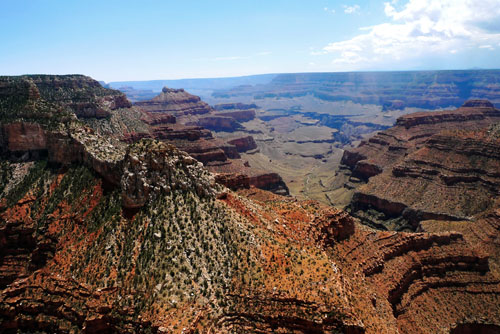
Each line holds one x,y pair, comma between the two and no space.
435,165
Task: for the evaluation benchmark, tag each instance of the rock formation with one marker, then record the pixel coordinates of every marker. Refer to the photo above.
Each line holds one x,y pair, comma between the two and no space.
243,144
175,102
217,123
97,236
188,128
391,90
428,167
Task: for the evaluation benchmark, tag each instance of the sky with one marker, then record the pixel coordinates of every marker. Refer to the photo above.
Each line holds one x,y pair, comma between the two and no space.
151,39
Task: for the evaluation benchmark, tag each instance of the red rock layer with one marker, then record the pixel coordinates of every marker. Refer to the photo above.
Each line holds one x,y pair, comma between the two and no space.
243,144
217,123
418,171
239,115
191,133
426,281
52,303
176,102
388,147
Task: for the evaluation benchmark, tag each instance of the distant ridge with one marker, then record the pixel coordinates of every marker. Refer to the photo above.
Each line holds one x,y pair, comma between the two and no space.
390,89
200,86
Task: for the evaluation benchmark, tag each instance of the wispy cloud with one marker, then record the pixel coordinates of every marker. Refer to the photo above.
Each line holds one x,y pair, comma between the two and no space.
351,9
263,53
420,28
487,46
326,9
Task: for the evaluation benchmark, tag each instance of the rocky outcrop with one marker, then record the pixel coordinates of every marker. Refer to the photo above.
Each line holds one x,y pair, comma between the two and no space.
414,275
243,144
72,145
54,304
176,102
21,136
334,226
427,167
218,123
388,147
239,115
179,132
233,181
151,168
82,95
269,181
158,118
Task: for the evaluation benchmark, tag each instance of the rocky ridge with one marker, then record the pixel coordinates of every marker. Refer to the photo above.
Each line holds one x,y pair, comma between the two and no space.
426,157
391,90
189,128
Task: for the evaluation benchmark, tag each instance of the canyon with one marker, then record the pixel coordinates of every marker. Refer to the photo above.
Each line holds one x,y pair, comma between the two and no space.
434,165
120,217
303,121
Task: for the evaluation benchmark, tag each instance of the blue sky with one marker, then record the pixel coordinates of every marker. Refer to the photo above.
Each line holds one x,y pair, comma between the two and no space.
142,40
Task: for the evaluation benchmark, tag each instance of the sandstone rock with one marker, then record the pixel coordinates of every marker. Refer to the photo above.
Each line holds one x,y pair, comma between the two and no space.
217,123
243,144
334,226
413,168
175,102
22,136
239,115
233,181
270,181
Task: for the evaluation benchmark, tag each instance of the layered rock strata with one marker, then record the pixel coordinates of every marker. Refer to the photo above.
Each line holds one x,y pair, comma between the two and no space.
428,167
189,128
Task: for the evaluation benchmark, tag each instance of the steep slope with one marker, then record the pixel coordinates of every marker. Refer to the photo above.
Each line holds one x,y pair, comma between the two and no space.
48,99
185,121
428,167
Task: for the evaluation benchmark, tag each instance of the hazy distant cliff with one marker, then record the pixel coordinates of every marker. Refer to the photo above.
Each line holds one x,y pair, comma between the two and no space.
423,89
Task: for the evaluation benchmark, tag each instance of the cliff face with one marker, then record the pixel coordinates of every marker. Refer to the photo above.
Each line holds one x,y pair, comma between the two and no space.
407,275
175,102
391,90
217,123
185,121
427,167
81,95
243,144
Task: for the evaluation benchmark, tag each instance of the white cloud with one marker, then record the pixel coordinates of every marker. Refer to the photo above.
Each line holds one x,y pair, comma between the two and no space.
351,9
487,46
326,9
420,28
